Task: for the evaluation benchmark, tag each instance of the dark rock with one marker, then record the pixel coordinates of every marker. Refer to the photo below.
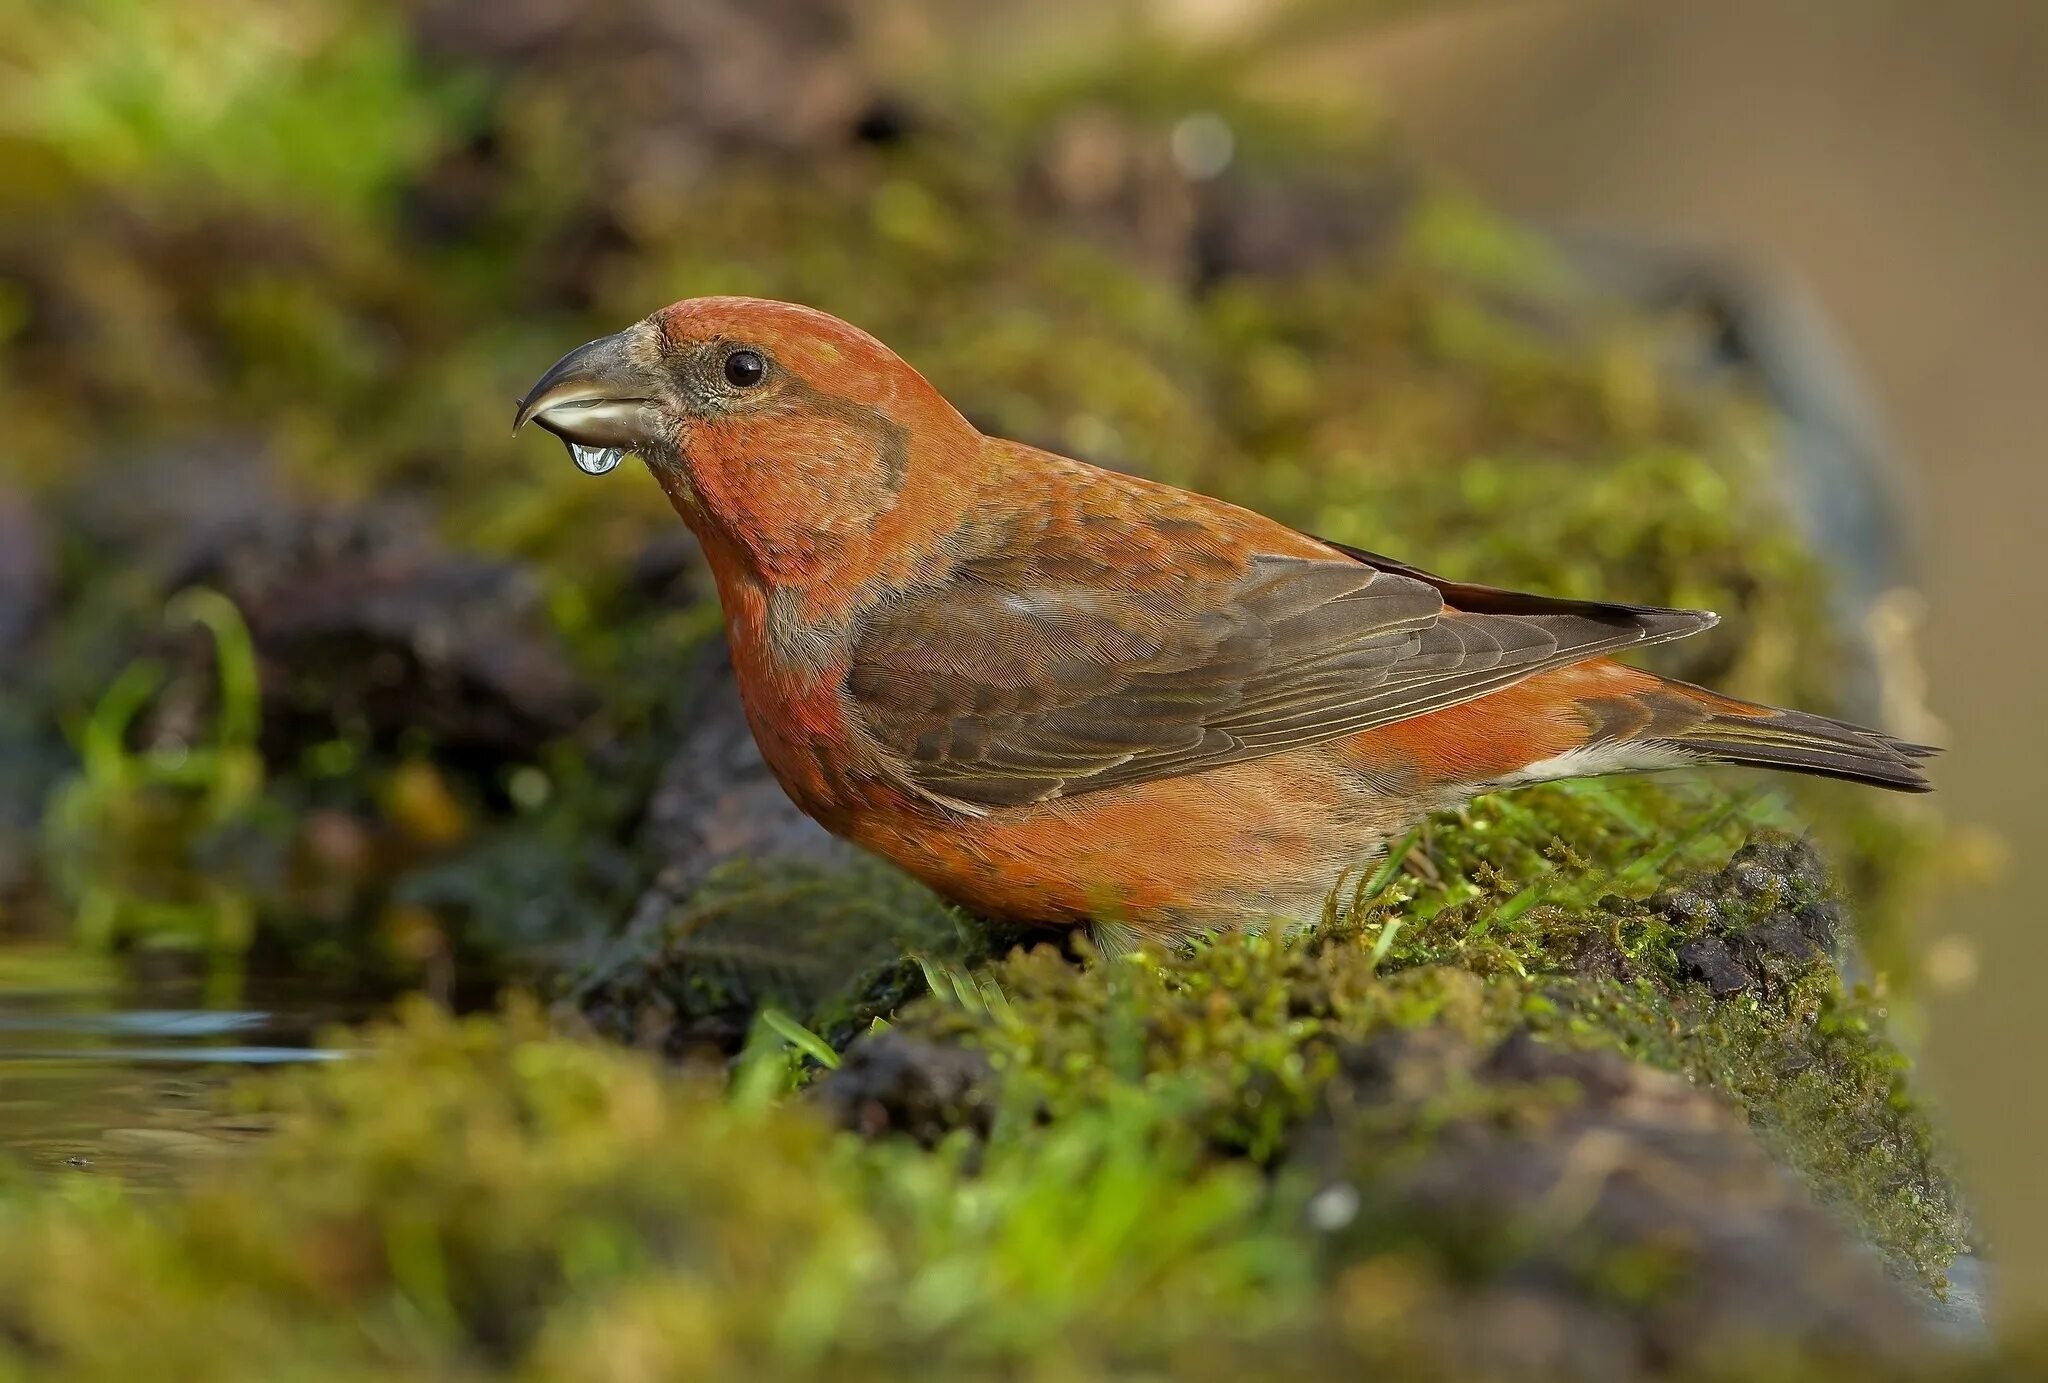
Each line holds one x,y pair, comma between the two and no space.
175,505
671,92
1709,960
1404,1064
717,800
359,622
364,623
825,944
751,903
1276,227
1598,958
1751,876
1790,861
1780,937
1520,1058
1765,919
660,569
895,1083
1686,906
1822,923
1590,1217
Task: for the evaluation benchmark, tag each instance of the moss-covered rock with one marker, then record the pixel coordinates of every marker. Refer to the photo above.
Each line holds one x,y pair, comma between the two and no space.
1573,1214
827,942
1241,1035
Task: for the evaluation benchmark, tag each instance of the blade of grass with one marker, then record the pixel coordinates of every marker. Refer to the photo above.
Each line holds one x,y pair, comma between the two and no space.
1384,942
800,1037
1373,887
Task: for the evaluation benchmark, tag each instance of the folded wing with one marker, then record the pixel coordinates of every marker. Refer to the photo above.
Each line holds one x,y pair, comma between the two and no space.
1013,683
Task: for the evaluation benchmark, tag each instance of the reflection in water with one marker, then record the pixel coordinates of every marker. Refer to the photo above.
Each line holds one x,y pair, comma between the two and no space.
97,1080
218,1056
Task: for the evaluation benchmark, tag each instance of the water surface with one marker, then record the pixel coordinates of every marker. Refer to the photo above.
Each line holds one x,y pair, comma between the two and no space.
101,1075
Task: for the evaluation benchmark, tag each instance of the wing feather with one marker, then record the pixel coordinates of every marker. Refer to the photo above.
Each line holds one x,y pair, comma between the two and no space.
1017,681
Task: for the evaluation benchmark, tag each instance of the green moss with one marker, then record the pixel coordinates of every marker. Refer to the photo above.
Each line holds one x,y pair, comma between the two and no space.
464,1198
479,1198
154,98
1240,1035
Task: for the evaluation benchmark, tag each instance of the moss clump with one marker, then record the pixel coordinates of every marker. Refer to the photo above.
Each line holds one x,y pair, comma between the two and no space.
471,1198
828,942
1728,977
1577,1213
1240,1035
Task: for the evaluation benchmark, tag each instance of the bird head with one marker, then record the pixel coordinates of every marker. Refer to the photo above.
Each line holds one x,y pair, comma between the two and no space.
777,426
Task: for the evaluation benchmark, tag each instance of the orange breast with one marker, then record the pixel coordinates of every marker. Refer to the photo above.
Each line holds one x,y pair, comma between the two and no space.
1216,849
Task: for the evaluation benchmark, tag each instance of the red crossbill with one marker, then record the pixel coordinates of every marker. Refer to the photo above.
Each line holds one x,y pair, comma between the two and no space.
1062,694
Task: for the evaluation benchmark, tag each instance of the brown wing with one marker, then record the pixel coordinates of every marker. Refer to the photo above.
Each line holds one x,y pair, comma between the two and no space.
1012,684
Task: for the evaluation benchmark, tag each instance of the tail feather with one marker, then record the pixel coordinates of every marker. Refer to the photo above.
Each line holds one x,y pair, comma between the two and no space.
1638,721
1798,741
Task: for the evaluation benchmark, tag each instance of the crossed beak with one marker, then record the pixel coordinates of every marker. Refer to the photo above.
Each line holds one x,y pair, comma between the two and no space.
600,399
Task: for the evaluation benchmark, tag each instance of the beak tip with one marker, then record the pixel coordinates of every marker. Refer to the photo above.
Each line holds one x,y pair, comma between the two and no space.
594,395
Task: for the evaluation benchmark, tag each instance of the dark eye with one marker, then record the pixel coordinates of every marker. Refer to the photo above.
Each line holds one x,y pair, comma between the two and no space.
744,369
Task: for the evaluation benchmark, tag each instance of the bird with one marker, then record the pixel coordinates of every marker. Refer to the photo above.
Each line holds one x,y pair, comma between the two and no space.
1063,695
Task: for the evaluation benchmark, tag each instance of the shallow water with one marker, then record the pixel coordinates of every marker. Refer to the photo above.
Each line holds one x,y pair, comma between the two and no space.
106,1077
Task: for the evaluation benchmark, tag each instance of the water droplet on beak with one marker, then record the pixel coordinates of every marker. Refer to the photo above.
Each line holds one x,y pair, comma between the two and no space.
595,460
